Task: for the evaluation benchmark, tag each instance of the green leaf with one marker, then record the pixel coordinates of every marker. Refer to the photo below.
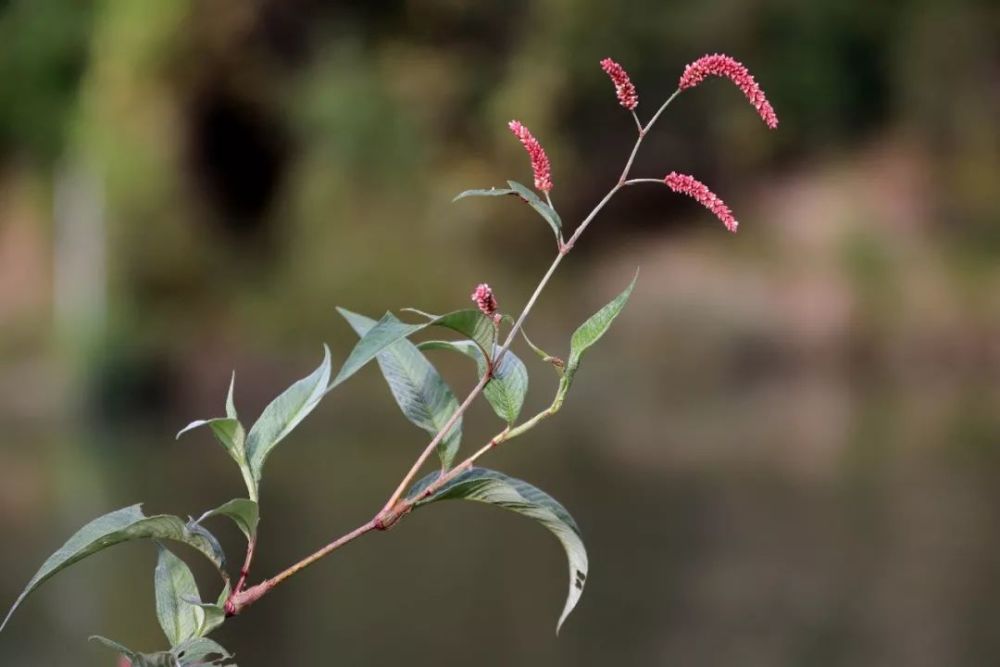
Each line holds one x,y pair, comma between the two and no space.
285,413
215,613
496,488
386,331
228,431
230,403
489,192
200,652
468,322
506,389
547,212
121,525
197,652
243,511
181,620
419,390
591,331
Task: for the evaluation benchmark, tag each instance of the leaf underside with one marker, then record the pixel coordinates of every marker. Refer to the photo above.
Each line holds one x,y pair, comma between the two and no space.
419,390
121,525
495,488
507,388
174,585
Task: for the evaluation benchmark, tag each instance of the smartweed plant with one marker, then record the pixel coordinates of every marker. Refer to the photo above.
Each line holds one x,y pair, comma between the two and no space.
486,335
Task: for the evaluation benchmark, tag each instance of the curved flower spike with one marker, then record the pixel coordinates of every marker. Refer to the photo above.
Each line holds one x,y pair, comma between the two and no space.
692,187
718,64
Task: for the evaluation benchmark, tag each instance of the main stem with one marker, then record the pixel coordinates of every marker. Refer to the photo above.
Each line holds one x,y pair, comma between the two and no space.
396,507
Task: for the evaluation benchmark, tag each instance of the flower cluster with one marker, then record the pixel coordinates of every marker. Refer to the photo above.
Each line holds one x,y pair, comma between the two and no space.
718,64
539,160
692,187
624,88
483,297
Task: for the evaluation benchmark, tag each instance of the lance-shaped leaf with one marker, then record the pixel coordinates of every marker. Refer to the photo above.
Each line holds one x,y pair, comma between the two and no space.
215,613
177,598
469,322
384,333
547,212
488,192
122,525
197,652
496,488
419,390
528,195
591,331
285,413
244,512
230,433
506,389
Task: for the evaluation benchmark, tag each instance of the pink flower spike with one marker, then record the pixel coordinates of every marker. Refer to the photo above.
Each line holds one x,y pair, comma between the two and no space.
539,160
718,64
627,96
692,187
483,297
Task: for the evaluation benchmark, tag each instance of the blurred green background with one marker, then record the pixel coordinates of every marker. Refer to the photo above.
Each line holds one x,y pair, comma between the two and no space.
786,452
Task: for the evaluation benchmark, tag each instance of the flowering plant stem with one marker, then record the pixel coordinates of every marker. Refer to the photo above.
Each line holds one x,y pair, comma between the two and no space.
397,506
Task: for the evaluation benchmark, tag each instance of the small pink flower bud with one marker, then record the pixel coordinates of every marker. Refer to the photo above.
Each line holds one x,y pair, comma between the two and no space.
539,160
718,64
692,187
627,96
483,296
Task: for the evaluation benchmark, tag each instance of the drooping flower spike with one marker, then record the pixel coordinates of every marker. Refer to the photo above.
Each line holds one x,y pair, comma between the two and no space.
718,64
692,187
539,160
484,299
627,96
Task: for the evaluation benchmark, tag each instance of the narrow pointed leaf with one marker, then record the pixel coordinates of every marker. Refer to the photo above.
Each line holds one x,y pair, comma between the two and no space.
507,388
215,612
121,525
227,430
596,326
230,402
196,652
386,331
496,488
419,390
285,413
174,584
547,212
468,322
202,652
488,192
244,512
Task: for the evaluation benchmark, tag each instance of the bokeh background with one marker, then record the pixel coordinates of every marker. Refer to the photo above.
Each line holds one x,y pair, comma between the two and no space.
786,452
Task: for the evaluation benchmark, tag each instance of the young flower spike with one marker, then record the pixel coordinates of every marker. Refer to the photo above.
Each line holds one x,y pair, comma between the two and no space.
483,296
539,160
718,64
624,88
692,187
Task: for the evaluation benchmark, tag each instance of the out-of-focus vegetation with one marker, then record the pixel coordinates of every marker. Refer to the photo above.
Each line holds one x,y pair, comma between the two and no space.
799,462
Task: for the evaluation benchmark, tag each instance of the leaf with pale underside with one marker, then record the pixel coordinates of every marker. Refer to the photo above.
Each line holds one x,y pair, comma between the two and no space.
284,413
420,391
495,488
507,388
122,525
244,512
174,585
196,652
468,322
